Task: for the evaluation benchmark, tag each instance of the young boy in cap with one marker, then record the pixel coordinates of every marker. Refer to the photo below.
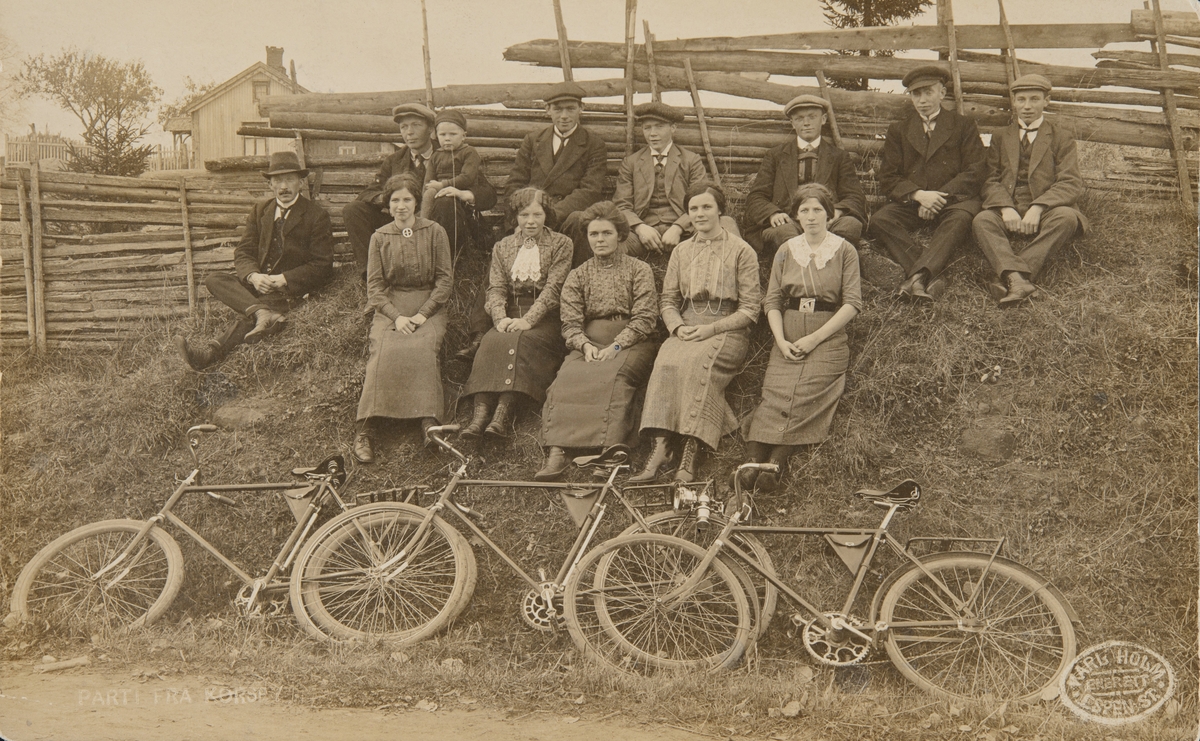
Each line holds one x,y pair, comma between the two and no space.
285,252
931,169
653,181
806,159
454,173
1032,187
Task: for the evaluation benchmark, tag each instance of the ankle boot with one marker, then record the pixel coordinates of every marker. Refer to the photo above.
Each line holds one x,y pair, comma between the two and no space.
556,463
1019,289
502,419
483,413
769,481
689,460
364,444
198,358
658,457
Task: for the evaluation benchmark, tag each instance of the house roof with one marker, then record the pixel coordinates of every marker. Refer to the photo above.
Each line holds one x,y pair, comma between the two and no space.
275,74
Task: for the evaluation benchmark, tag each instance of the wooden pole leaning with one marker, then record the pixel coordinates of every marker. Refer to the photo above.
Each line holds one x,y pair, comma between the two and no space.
564,52
655,93
425,55
833,124
26,257
1011,64
188,259
1169,109
946,12
39,273
708,150
630,32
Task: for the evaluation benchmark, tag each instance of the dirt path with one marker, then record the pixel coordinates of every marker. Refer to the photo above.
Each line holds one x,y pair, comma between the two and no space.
98,706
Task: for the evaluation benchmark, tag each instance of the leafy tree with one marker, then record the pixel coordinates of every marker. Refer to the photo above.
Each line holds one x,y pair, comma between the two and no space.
110,98
192,91
860,13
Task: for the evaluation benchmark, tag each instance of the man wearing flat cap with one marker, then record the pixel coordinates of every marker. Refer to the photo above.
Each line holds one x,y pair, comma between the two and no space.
285,252
808,158
931,170
653,181
567,161
1032,189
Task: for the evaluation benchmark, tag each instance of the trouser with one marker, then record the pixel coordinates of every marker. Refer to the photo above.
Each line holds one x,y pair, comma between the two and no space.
456,217
634,247
227,289
893,224
845,226
362,219
1057,227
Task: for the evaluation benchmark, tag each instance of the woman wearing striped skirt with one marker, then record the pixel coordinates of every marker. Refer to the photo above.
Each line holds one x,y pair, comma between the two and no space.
812,294
609,311
710,298
522,352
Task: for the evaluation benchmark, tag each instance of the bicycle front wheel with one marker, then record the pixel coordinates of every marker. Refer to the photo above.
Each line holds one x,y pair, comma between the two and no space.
625,608
977,627
85,582
374,572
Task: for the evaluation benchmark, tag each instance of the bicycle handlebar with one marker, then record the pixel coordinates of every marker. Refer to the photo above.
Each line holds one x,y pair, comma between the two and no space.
201,428
769,467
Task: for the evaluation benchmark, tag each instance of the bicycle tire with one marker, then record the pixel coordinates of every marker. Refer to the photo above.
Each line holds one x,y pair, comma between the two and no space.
58,585
336,598
613,609
1015,648
683,524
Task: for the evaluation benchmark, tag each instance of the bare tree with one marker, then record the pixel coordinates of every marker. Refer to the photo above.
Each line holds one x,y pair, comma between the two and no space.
10,93
860,13
110,98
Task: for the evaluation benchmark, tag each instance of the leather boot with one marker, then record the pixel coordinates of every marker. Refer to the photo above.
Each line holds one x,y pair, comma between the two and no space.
364,445
658,457
198,358
266,323
556,464
483,414
769,481
689,460
502,419
1019,289
919,290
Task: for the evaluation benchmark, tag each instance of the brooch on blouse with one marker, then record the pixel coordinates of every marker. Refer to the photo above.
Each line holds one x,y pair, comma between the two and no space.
408,232
529,242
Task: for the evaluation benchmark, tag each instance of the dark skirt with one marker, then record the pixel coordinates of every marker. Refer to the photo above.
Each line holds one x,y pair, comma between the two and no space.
525,362
593,405
686,393
404,375
800,397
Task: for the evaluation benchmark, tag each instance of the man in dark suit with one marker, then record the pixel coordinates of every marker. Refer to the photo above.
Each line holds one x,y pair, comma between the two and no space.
285,252
1032,187
565,160
932,168
368,212
806,159
653,181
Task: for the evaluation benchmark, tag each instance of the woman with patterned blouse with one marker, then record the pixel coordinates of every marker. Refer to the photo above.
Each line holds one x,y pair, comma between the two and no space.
813,293
609,310
409,279
710,298
523,350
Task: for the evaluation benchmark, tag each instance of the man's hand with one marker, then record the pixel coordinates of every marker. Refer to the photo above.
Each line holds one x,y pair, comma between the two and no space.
1012,219
1032,220
780,219
931,200
837,214
261,282
649,236
435,184
671,237
925,213
450,190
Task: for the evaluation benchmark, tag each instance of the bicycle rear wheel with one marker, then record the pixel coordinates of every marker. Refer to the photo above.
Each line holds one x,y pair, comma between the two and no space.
1012,639
621,611
348,584
80,583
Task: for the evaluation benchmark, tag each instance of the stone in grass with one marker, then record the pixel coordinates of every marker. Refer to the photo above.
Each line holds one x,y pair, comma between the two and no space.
453,666
879,271
240,415
989,441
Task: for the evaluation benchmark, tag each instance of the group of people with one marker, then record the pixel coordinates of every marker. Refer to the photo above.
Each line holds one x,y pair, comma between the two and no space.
571,318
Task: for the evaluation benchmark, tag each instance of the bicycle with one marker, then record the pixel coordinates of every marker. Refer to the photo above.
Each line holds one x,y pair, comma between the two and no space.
958,623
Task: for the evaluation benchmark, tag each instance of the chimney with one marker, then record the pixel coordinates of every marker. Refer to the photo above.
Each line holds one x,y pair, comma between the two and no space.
275,57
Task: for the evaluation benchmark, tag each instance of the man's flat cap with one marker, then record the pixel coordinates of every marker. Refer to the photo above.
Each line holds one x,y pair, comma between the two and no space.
564,91
413,109
659,111
924,77
805,101
1030,82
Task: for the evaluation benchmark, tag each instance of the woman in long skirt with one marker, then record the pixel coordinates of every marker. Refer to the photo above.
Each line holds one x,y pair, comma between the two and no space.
409,279
609,311
521,353
711,296
813,293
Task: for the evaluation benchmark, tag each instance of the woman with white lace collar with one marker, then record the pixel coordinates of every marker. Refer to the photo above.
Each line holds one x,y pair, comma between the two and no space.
813,293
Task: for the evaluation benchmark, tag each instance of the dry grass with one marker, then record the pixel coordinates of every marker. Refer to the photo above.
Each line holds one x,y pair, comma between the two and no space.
1098,387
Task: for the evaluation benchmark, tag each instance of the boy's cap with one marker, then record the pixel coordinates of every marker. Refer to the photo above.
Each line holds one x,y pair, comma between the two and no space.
657,111
1030,82
451,115
805,101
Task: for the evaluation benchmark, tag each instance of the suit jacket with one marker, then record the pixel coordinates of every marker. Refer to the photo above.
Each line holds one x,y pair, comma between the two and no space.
574,181
779,175
307,260
952,160
1054,178
397,163
635,183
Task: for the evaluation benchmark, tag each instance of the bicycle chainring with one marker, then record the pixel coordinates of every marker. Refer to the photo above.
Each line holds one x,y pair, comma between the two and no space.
541,613
835,647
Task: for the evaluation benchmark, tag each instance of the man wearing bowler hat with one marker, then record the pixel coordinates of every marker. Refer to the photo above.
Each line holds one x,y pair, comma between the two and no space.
285,252
1032,187
931,170
805,159
652,182
567,161
368,212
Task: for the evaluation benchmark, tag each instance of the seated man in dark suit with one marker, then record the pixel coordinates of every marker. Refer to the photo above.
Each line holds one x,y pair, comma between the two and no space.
565,160
1032,187
806,159
285,252
932,167
653,181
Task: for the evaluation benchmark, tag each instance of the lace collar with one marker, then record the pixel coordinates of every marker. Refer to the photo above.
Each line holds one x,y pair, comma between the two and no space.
527,265
803,254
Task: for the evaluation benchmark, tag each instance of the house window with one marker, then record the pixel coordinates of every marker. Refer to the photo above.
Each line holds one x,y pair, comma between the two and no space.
344,149
254,145
262,88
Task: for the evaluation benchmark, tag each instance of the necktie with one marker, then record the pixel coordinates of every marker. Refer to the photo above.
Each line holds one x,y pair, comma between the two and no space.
559,143
659,162
419,167
1027,134
275,254
929,126
808,158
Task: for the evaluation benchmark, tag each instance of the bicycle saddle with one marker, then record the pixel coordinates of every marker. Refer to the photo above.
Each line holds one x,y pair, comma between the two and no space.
905,494
334,464
615,454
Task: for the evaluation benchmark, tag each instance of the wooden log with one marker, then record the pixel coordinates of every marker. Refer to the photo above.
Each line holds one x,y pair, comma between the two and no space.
259,162
39,268
655,93
132,262
278,133
564,52
1177,143
1106,97
168,236
146,194
199,186
630,34
187,248
1179,60
708,149
113,213
1179,40
27,261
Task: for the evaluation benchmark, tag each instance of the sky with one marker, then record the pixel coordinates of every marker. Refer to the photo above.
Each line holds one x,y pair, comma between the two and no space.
374,45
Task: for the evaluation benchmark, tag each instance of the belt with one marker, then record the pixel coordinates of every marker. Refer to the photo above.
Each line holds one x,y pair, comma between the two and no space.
811,305
716,307
611,317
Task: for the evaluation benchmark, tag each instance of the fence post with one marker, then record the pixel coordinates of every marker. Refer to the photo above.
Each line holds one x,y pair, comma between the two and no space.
187,249
1171,113
39,275
26,258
